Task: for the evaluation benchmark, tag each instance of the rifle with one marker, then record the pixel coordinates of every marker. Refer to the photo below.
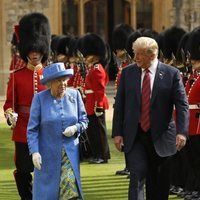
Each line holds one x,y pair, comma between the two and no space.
81,64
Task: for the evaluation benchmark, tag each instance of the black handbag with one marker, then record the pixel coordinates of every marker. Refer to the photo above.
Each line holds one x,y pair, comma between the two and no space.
85,147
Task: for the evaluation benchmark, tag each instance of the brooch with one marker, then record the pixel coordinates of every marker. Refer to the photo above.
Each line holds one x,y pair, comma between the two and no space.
161,75
71,99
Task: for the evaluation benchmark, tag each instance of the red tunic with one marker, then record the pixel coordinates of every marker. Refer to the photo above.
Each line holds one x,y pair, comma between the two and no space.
70,83
76,81
194,100
119,74
22,85
17,63
95,86
188,82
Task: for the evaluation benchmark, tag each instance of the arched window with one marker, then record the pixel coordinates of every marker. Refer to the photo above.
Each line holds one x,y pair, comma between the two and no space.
144,14
95,12
70,17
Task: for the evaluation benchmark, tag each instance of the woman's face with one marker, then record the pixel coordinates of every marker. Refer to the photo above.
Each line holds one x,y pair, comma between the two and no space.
59,85
34,58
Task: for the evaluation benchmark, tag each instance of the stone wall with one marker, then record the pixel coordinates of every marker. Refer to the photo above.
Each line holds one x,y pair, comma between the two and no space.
15,9
11,13
186,14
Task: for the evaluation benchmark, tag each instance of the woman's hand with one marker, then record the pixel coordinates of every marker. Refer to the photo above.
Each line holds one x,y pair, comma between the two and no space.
70,131
37,160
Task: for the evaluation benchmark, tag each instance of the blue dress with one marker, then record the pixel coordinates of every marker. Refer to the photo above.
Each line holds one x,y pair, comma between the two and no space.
48,119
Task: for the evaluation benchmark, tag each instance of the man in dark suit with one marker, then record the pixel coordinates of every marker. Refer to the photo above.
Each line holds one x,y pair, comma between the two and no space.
143,123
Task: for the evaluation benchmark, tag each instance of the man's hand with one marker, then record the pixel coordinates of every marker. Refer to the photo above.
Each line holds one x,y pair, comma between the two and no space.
98,111
70,131
180,142
11,117
119,143
37,160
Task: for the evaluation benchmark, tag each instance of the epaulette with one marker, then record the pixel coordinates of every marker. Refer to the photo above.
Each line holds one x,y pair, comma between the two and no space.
16,70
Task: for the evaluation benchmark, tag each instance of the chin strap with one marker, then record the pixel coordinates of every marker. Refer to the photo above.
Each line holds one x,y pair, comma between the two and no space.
34,67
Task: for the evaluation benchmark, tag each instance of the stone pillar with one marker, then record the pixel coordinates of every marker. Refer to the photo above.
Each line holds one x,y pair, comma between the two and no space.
133,14
5,53
81,16
161,14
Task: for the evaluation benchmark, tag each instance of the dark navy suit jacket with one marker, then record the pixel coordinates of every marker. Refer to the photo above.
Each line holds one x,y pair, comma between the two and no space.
168,92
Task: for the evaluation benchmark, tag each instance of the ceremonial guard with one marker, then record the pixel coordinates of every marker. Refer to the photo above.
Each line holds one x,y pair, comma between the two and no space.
193,148
129,44
120,35
96,102
170,43
34,43
65,54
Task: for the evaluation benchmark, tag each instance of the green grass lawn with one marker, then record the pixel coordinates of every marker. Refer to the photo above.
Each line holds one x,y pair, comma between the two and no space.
99,181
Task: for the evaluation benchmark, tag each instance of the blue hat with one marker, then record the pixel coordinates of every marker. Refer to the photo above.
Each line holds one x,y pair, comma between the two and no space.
54,71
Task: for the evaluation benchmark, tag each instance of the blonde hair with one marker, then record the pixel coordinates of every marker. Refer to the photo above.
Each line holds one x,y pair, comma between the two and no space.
147,43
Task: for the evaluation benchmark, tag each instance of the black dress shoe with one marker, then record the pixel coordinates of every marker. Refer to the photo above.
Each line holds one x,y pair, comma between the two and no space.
176,190
98,161
184,194
125,171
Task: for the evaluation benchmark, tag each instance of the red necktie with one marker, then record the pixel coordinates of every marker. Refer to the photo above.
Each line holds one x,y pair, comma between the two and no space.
145,106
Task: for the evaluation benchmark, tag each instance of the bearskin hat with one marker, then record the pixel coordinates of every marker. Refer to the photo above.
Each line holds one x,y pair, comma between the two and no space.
150,33
14,40
182,47
72,46
34,35
129,42
160,40
92,44
194,44
119,36
171,41
65,45
54,42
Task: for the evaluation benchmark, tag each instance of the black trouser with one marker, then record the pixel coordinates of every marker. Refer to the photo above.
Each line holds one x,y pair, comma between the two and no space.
146,166
193,152
179,168
24,167
97,134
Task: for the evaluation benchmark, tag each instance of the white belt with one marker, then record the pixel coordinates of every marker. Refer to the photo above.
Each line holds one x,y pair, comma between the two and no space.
89,91
195,106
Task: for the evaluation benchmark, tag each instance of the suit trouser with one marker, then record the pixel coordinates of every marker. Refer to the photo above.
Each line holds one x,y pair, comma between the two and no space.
147,167
24,167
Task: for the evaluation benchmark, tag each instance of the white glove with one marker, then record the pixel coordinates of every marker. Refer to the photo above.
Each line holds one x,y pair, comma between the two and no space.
98,111
70,131
12,117
37,160
98,114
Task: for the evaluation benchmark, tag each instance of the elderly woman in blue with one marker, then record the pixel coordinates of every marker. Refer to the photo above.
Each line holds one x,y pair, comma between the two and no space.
56,120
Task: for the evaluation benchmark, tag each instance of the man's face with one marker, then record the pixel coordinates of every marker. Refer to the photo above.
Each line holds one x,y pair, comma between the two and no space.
142,58
35,57
195,64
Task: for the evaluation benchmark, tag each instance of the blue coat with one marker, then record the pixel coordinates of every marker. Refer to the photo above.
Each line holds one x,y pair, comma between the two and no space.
48,119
